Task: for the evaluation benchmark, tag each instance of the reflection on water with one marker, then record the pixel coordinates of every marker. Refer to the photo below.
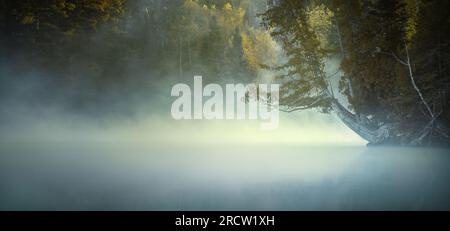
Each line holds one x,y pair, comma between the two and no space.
109,176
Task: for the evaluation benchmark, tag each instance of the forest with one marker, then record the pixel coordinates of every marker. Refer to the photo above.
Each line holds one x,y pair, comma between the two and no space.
381,66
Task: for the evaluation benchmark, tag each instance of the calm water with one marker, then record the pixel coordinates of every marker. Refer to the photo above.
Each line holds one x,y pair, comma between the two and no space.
111,176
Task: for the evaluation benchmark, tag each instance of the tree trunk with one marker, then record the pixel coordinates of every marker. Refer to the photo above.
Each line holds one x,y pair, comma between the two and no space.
189,52
181,56
373,135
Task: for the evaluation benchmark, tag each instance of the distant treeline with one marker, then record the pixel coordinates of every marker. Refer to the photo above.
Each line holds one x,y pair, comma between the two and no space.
393,55
96,48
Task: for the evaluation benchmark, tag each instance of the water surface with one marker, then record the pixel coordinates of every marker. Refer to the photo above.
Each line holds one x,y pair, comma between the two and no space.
114,176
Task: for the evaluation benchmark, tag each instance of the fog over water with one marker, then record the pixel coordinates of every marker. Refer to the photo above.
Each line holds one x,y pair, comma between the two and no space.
85,122
55,158
312,162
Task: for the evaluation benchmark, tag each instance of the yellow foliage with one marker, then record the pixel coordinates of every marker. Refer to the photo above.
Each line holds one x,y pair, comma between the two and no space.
228,7
259,48
320,20
70,33
27,19
195,19
411,23
71,6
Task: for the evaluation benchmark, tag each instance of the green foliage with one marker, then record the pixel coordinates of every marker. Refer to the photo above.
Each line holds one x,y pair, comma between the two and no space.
305,83
42,21
371,39
210,37
114,47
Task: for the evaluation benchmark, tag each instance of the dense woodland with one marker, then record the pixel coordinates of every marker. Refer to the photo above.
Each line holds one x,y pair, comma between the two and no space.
393,64
117,57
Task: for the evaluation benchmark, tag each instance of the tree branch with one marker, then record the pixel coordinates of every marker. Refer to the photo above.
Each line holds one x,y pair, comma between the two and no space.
413,82
399,60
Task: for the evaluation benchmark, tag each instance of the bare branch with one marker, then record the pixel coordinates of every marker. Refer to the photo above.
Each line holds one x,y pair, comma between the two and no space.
413,82
399,60
311,105
391,54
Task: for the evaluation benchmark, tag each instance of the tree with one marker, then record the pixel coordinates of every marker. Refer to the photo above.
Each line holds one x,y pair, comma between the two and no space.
369,37
41,21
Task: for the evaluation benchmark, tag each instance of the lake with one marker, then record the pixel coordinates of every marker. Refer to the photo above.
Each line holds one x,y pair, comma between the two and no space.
114,176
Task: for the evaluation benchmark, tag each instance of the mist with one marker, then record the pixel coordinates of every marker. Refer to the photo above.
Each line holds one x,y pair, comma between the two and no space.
85,117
